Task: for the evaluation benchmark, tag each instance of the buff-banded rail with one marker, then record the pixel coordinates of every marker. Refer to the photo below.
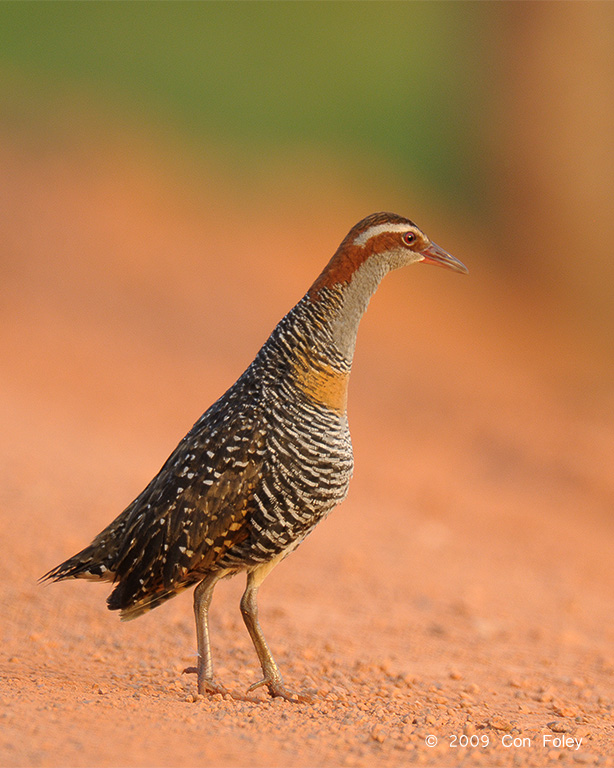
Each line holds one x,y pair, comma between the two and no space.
264,464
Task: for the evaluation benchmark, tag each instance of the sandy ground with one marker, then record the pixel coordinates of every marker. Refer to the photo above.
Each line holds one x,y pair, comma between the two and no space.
456,610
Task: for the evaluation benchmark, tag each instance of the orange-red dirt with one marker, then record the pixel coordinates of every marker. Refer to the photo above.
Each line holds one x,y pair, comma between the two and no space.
463,592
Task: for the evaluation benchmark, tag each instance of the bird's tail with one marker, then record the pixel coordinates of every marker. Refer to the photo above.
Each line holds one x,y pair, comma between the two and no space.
84,565
131,606
126,597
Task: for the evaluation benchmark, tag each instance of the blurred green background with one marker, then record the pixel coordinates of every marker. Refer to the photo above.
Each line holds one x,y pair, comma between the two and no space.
502,112
401,81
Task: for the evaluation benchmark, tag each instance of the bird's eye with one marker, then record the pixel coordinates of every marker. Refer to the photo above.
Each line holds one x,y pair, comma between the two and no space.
409,238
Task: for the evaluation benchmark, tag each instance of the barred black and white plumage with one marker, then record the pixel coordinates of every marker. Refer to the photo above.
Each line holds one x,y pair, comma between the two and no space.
264,464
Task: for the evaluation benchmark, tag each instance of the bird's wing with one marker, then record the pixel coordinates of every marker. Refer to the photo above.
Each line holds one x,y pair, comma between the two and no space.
194,511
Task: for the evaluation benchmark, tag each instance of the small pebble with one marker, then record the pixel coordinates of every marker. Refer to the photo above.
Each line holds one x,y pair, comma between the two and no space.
499,724
557,726
564,711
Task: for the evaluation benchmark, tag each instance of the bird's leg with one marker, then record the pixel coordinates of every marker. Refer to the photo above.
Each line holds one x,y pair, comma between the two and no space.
202,600
249,609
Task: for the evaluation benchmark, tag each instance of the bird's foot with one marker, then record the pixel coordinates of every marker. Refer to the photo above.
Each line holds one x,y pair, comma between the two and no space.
278,690
206,685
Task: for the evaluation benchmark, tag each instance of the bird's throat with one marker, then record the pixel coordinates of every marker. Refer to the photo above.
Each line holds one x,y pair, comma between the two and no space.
321,370
355,296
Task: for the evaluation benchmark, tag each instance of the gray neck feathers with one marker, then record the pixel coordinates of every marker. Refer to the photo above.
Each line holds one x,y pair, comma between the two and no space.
354,301
325,330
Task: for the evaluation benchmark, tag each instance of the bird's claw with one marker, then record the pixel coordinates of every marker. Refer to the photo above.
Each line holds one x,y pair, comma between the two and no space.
206,685
275,685
278,690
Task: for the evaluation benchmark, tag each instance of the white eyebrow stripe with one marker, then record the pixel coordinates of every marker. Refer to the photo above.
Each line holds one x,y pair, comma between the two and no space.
378,229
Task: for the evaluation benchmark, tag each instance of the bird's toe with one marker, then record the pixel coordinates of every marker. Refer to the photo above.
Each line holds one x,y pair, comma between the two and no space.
277,689
206,685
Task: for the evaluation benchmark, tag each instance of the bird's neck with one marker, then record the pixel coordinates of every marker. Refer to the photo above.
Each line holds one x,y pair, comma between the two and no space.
345,302
319,336
312,348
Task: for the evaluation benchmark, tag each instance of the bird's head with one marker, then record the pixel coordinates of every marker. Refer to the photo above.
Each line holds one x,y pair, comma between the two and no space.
391,241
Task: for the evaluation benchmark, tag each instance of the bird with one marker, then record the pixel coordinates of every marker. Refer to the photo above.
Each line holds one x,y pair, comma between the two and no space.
269,460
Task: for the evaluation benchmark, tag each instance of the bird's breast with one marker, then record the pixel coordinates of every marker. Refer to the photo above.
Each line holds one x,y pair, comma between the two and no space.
322,383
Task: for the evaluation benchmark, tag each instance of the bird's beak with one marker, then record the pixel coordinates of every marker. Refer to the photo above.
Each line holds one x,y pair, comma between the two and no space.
433,254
